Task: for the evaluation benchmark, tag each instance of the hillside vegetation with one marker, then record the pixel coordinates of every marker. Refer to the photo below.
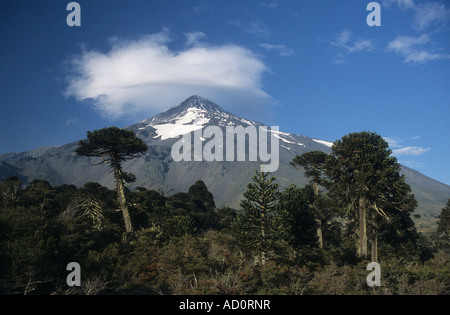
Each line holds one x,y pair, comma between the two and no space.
297,240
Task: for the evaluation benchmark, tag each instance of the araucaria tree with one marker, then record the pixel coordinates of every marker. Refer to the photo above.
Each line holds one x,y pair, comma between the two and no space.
114,146
313,163
255,228
367,178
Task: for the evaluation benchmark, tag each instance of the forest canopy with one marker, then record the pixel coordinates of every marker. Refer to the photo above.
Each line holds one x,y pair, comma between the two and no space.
316,239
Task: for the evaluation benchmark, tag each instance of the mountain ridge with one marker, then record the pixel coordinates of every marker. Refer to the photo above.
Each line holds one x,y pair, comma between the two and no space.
225,179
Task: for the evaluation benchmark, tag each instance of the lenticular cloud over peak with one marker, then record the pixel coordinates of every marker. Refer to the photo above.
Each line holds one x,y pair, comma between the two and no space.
145,75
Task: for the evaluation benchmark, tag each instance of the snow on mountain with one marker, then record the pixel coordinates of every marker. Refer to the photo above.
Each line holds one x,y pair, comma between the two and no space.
195,107
192,114
327,143
193,119
196,113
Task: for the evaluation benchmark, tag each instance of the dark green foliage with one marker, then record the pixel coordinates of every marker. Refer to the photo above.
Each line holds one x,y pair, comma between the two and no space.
9,191
258,226
313,163
114,145
298,218
361,165
443,228
366,182
111,143
183,244
225,216
199,192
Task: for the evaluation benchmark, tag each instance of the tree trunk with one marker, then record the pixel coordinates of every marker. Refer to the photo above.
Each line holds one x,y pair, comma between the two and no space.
362,250
374,242
121,197
316,188
263,237
318,221
374,252
319,232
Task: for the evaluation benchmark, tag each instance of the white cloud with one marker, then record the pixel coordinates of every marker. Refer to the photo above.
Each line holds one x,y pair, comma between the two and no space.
340,59
272,4
346,42
404,4
282,50
393,142
399,148
407,154
71,121
343,38
200,8
145,76
256,28
425,14
194,38
405,43
412,49
410,151
361,45
431,14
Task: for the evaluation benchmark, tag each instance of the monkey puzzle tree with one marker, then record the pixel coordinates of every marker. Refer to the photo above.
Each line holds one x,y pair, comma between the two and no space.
114,146
367,179
257,226
313,163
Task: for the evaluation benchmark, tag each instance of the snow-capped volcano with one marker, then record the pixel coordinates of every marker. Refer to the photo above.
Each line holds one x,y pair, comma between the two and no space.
197,112
227,180
194,113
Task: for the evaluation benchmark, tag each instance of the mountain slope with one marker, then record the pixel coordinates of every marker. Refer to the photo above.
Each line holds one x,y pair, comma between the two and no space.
227,180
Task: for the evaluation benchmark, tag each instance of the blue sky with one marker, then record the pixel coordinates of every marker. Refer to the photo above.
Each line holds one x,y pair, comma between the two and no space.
311,67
